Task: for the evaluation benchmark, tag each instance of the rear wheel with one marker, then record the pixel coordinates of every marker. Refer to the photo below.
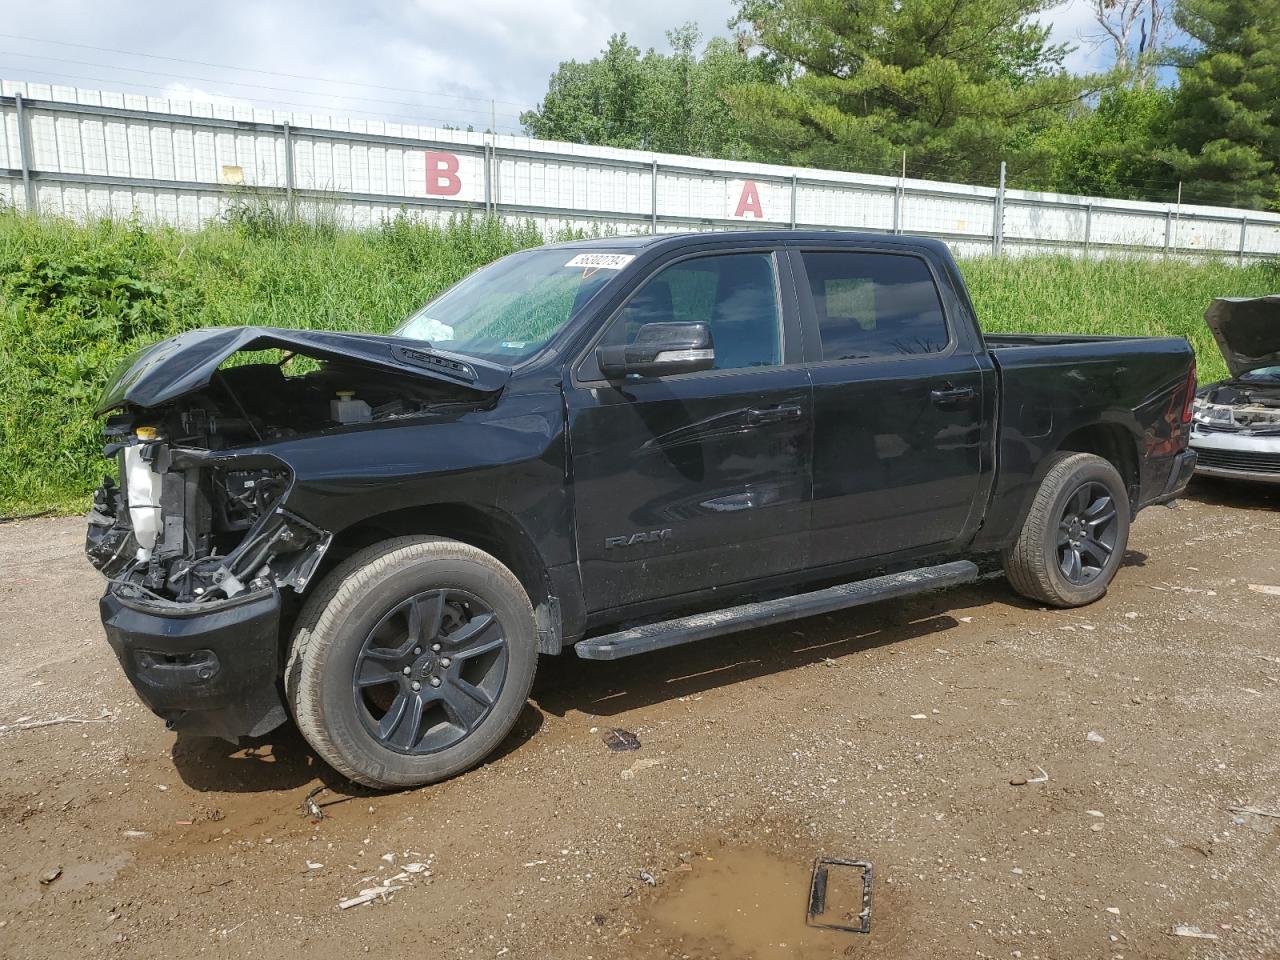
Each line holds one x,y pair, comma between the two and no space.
412,661
1075,534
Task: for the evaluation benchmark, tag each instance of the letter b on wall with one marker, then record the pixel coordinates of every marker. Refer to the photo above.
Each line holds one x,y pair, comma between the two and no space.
442,174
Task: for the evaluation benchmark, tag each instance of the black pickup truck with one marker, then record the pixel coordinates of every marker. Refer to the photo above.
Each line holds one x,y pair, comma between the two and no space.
616,446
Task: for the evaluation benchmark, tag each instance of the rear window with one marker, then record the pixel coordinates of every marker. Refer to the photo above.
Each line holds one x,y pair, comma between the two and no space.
874,305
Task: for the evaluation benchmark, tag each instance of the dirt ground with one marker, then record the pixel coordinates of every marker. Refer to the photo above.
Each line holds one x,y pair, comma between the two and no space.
897,734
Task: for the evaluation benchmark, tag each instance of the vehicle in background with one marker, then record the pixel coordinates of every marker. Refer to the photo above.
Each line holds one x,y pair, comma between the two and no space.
618,446
1235,427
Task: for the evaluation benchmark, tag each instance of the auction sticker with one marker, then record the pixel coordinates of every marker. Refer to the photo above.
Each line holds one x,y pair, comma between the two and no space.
601,261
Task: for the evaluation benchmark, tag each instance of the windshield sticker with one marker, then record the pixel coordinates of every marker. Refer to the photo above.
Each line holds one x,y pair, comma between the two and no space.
432,330
601,261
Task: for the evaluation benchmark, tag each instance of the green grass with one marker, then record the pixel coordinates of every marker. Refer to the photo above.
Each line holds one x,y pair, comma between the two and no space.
74,300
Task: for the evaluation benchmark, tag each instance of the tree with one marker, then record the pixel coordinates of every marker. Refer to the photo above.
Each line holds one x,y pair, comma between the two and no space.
1106,150
1118,20
956,84
668,103
1225,124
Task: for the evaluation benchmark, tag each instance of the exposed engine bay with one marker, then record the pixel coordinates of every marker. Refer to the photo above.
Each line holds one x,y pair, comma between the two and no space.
1248,404
190,520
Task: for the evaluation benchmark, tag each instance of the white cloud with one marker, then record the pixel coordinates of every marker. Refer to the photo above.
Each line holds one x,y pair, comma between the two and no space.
444,60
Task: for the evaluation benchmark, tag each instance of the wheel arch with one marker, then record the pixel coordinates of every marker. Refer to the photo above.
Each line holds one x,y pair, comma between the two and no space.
496,533
1115,444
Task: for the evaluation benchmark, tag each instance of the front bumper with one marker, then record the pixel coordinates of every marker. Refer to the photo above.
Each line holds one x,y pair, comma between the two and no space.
206,670
1237,456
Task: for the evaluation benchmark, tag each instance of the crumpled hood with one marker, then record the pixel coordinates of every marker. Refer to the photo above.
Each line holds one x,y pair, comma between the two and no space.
186,363
1247,330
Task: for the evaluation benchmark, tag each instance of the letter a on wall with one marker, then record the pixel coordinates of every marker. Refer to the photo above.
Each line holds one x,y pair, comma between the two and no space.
442,174
744,200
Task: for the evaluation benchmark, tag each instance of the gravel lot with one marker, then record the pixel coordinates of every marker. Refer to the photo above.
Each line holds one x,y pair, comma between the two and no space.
899,734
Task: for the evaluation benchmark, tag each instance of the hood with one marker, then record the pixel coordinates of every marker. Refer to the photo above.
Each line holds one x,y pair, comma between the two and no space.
186,363
1247,330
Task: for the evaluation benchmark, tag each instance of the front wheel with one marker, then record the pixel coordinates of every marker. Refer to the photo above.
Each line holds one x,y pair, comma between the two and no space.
412,661
1075,534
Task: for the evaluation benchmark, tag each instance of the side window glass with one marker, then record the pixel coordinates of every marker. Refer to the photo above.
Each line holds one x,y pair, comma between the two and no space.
735,294
874,305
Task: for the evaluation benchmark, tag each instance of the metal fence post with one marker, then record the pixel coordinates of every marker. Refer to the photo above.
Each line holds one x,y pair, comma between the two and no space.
288,166
488,179
653,197
496,159
1088,228
1244,232
898,195
793,201
24,153
997,231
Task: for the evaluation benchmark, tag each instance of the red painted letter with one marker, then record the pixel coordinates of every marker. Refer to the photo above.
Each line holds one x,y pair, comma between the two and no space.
442,174
749,202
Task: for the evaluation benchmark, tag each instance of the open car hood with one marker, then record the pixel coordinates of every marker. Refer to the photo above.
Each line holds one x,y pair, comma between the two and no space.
186,363
1247,330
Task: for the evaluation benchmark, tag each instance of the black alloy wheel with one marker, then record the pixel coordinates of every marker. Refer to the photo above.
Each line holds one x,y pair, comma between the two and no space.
1086,533
430,671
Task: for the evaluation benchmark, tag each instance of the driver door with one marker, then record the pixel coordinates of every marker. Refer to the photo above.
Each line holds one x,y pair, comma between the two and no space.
695,480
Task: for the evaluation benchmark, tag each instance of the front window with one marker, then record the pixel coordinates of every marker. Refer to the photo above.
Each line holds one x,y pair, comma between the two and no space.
509,309
735,294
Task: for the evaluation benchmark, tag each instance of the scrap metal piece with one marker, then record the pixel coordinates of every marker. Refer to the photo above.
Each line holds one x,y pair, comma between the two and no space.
818,895
620,741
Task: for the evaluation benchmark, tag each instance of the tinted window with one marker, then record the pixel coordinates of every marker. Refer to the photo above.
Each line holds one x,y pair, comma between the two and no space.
735,294
874,305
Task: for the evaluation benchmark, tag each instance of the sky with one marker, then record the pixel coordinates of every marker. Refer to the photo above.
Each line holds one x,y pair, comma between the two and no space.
432,62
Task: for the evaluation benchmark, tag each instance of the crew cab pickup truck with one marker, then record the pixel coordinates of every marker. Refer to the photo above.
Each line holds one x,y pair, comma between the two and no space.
615,446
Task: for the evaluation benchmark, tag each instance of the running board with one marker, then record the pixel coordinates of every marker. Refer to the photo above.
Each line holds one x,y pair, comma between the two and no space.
672,633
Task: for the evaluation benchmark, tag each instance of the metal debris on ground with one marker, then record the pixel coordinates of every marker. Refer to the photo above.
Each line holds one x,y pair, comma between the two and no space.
818,906
1043,778
309,806
648,878
1094,737
619,740
1184,931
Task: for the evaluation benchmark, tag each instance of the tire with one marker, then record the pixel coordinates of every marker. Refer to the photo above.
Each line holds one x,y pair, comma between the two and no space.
395,676
1039,565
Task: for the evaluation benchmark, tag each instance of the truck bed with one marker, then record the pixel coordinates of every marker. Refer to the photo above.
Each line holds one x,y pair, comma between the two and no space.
1102,394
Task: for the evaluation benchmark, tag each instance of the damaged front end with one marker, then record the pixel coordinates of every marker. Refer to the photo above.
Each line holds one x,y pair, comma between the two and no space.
197,545
195,535
1236,422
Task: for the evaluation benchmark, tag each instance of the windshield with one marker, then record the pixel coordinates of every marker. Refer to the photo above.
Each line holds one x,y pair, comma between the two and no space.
509,309
1263,375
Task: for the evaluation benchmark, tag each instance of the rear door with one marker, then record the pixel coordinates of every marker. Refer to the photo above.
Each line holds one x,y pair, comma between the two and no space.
900,403
696,480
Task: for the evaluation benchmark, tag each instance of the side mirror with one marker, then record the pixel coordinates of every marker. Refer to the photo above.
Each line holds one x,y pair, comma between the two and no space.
659,350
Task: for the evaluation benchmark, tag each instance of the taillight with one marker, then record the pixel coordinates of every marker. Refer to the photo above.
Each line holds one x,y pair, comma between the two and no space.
1189,403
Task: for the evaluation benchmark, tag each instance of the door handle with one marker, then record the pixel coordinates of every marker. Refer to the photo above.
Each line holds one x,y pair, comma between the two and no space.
949,396
787,411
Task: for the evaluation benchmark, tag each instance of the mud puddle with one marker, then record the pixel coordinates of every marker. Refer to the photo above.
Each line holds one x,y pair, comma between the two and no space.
746,903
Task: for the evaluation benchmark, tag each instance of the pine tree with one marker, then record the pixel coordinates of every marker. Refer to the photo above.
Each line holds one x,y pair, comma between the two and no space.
958,85
1226,114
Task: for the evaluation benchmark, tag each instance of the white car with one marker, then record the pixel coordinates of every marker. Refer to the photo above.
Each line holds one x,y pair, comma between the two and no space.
1235,428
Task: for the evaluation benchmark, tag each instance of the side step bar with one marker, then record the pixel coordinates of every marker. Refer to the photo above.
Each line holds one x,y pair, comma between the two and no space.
699,626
